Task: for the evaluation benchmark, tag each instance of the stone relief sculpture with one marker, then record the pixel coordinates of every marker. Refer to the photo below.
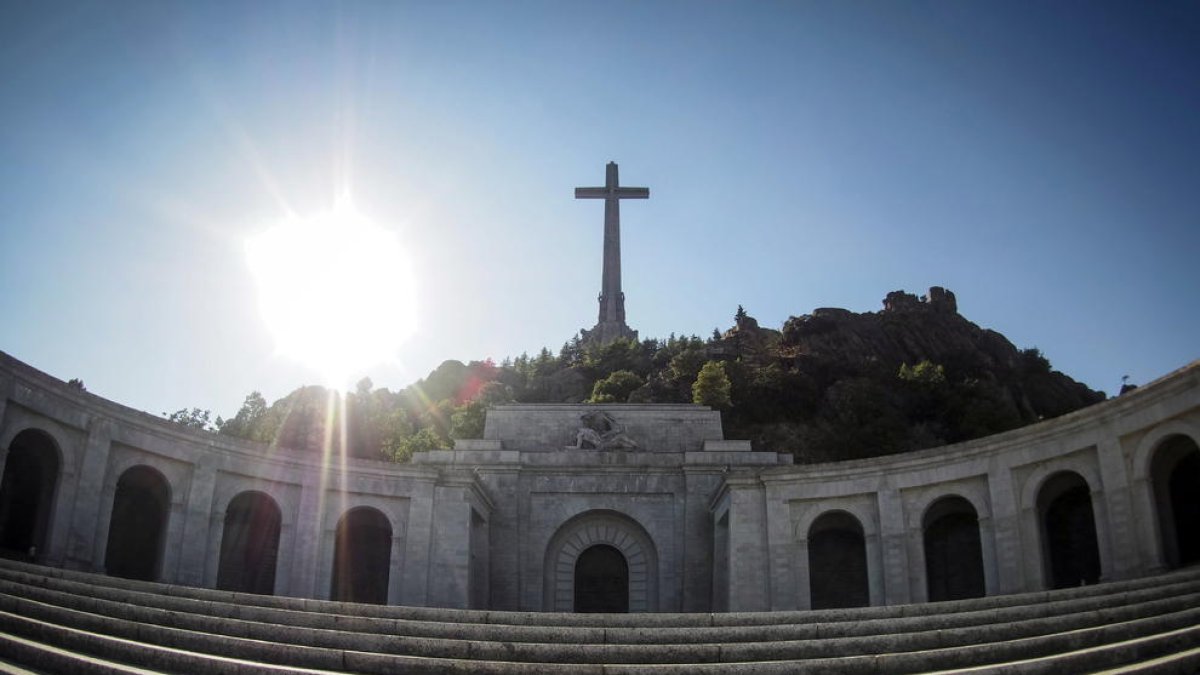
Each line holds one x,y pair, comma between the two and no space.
601,432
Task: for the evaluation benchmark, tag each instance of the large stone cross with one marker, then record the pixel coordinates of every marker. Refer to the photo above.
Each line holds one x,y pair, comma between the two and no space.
612,300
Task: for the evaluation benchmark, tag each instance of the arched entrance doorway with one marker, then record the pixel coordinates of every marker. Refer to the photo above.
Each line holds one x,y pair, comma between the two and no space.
601,580
249,544
362,557
953,552
27,494
596,544
837,562
137,529
1175,473
1069,531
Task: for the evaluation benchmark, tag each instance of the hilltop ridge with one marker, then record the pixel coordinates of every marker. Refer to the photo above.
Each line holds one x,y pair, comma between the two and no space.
832,384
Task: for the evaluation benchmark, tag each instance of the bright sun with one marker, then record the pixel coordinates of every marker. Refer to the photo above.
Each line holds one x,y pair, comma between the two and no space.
335,289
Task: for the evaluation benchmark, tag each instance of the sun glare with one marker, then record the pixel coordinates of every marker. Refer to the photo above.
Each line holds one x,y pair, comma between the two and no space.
335,289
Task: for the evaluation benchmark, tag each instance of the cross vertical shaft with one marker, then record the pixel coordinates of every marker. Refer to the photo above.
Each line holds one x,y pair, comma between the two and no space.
611,323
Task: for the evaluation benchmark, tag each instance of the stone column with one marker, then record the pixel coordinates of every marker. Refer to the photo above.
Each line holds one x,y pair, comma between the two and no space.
306,546
698,542
92,507
395,593
781,549
212,558
894,551
1122,535
450,547
418,544
749,578
1009,546
197,518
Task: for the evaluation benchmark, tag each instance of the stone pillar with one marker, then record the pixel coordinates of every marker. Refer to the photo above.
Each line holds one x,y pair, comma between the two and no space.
212,557
894,552
1126,555
697,549
197,519
310,523
418,544
987,546
1103,535
92,507
169,567
749,578
395,577
781,550
450,546
1010,546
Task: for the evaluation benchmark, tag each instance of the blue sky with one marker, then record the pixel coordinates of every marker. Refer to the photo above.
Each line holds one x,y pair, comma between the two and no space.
1038,159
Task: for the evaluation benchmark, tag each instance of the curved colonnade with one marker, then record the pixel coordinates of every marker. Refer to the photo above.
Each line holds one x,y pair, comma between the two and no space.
1106,493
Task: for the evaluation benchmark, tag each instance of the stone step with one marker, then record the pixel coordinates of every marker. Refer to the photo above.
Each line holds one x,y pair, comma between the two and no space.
1150,623
636,621
251,621
1182,662
1161,653
322,648
70,656
58,649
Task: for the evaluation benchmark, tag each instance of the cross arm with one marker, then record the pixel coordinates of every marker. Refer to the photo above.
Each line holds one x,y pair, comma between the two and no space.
605,193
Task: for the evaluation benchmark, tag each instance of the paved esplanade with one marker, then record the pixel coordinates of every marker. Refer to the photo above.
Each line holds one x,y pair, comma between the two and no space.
611,324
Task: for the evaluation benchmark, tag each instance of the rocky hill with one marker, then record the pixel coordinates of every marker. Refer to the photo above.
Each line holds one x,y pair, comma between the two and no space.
832,384
912,375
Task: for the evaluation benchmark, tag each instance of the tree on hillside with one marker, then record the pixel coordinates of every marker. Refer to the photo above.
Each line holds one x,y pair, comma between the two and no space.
467,420
194,418
616,388
712,386
249,422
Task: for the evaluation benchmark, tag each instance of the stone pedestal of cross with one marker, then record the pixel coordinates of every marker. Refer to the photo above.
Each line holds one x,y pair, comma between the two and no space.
611,324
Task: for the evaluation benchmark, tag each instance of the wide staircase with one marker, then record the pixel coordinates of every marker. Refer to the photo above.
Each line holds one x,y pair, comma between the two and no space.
58,621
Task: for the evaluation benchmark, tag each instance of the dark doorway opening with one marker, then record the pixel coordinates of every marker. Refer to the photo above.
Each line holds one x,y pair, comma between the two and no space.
837,562
250,544
137,529
1069,531
27,494
1175,473
601,580
362,557
953,552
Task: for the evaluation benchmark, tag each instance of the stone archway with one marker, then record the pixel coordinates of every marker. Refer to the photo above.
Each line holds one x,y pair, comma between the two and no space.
362,557
1175,476
138,527
27,493
837,562
953,550
601,581
591,530
250,544
1068,525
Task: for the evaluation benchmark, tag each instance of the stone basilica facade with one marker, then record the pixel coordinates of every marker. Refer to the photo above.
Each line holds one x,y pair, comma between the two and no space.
638,508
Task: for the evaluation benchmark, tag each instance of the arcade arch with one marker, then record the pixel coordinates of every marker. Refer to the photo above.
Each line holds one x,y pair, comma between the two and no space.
1067,521
837,562
582,556
250,544
138,525
31,474
1175,480
601,580
362,557
953,550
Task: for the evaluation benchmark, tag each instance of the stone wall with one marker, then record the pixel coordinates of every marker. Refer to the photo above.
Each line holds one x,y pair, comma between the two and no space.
706,523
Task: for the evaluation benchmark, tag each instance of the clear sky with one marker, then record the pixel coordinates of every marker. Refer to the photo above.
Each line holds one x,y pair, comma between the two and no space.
1040,159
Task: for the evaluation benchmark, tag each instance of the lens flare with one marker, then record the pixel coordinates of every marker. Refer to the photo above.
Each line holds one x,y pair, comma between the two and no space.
336,291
